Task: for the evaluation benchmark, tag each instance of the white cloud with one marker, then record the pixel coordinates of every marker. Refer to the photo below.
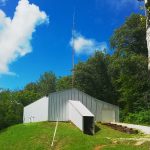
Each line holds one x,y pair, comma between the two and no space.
87,46
16,33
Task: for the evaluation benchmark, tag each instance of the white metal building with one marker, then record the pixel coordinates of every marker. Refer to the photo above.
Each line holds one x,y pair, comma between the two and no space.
56,107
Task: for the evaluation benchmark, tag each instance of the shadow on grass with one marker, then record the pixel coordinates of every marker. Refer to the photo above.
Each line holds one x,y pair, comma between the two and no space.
97,128
3,130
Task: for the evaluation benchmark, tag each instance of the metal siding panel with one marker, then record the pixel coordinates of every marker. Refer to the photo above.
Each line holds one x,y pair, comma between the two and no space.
100,106
76,94
58,107
70,94
73,94
55,106
48,107
93,106
84,99
118,118
50,115
80,97
89,102
61,106
52,108
67,106
108,115
96,113
105,106
116,114
67,109
99,110
49,110
58,104
57,116
65,97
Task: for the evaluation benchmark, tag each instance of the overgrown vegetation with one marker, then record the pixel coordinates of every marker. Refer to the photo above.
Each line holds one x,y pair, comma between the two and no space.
141,117
121,78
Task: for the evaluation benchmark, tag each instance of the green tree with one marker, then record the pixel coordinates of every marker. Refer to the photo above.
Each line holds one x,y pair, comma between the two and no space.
32,87
64,83
47,83
131,80
92,77
25,97
130,37
128,67
11,112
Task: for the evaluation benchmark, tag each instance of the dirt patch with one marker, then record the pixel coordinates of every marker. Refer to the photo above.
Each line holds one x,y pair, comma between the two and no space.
121,128
139,143
141,128
114,142
135,141
99,147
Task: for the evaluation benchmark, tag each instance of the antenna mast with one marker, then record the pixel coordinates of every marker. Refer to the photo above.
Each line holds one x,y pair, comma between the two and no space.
73,51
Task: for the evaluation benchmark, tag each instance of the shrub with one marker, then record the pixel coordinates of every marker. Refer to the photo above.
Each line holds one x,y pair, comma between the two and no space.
142,117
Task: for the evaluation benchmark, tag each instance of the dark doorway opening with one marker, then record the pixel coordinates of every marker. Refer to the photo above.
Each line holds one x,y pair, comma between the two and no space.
88,125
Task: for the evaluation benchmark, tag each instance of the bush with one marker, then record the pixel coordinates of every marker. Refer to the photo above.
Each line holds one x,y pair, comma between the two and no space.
142,117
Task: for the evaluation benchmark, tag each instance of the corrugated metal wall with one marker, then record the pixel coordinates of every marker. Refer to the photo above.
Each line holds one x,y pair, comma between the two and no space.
59,108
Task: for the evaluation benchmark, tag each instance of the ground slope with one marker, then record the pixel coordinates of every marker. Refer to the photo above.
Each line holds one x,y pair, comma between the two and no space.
38,136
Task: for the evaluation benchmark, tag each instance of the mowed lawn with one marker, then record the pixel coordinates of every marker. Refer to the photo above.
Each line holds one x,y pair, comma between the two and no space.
38,136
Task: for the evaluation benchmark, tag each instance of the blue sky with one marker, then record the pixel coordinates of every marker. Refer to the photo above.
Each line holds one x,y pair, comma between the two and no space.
37,38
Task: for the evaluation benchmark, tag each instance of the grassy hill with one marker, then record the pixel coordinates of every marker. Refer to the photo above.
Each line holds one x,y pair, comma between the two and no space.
38,136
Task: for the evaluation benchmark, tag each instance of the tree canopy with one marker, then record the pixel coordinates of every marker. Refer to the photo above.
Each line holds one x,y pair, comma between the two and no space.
131,36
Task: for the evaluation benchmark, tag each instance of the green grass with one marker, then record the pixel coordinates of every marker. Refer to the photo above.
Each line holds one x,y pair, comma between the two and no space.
38,136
